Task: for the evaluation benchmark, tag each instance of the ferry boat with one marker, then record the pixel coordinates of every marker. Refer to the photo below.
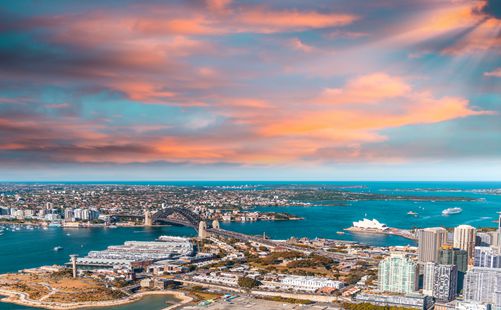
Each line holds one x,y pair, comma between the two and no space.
451,211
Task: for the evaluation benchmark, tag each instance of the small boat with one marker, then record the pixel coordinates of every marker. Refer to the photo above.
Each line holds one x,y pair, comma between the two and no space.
58,248
451,211
68,234
412,213
340,232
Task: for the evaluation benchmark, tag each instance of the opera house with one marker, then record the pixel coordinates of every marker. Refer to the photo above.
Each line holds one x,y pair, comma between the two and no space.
367,224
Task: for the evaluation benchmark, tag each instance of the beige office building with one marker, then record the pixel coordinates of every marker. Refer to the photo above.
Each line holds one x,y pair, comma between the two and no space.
430,241
464,239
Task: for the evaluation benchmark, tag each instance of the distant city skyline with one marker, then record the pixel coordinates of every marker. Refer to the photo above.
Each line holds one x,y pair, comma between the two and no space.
250,90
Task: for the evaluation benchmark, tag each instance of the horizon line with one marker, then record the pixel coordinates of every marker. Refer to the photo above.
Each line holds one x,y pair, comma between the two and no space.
245,180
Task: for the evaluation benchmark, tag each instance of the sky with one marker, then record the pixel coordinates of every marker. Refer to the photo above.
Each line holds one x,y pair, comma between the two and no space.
250,90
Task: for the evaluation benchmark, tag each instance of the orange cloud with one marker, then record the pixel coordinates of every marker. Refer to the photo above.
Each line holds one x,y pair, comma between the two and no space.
275,21
438,22
143,91
393,104
187,26
366,89
218,5
468,29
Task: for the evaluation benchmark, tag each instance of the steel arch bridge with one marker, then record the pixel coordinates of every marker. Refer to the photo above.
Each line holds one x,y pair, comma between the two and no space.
182,216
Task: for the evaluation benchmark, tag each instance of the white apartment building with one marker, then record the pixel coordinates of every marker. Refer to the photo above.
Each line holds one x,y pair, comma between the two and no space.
398,274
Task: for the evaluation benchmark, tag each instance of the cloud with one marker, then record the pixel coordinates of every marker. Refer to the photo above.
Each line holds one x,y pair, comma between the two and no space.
455,29
218,5
369,88
494,73
236,82
297,44
242,130
143,91
275,21
492,8
362,108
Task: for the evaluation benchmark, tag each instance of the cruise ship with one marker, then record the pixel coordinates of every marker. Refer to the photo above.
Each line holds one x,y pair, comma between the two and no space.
451,211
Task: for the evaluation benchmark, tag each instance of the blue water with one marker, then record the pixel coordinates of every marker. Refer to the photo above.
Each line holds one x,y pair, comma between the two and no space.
31,248
154,302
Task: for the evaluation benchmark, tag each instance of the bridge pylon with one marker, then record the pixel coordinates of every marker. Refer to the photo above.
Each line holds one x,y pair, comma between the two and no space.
202,230
148,220
215,224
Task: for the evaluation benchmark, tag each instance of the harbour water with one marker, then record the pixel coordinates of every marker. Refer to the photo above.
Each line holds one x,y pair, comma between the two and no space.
31,248
154,302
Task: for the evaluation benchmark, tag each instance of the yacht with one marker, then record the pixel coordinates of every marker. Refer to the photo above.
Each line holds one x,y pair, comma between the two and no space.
451,211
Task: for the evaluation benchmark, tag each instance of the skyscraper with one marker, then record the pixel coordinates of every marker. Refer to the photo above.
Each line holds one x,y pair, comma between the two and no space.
398,274
453,256
483,285
445,282
430,240
464,238
485,238
428,278
487,257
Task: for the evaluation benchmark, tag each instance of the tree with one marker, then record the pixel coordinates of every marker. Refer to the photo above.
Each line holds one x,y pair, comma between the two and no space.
248,283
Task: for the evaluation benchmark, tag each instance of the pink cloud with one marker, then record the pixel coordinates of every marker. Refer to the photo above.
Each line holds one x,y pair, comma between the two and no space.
369,88
143,91
494,73
393,103
297,44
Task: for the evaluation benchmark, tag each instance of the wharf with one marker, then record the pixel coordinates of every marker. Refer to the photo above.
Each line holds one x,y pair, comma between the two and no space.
408,234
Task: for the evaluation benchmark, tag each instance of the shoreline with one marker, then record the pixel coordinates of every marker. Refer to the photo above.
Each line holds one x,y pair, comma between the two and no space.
22,299
407,234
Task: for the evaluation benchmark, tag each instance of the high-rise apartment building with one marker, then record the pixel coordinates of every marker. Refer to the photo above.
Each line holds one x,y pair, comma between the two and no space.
430,241
483,285
486,238
445,282
398,274
464,238
487,257
69,215
453,256
428,278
